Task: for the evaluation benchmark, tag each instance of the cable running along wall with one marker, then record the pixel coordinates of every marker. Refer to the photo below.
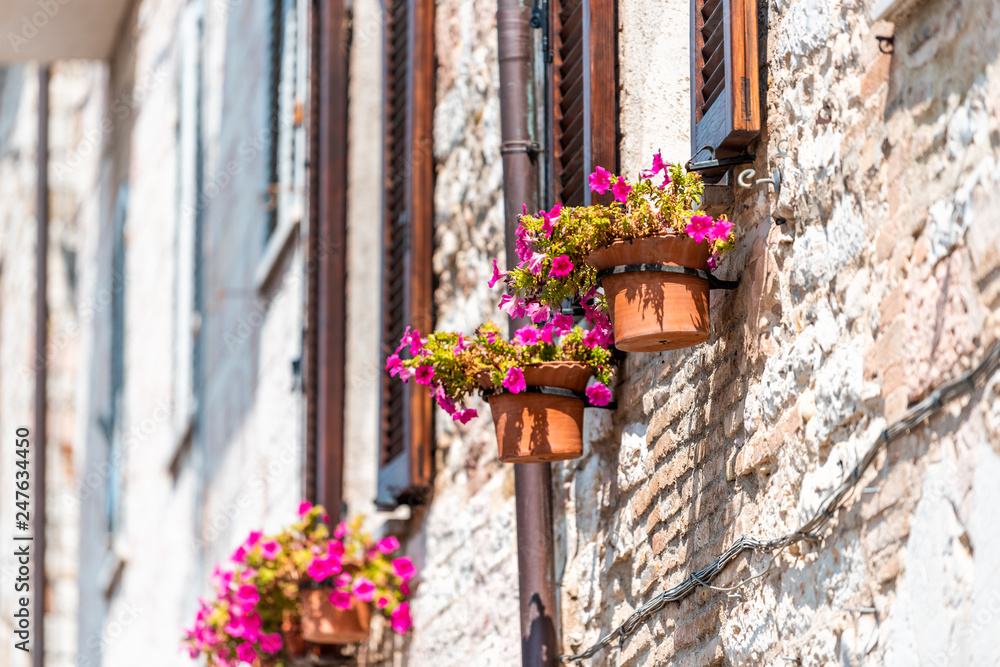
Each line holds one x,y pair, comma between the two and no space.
813,530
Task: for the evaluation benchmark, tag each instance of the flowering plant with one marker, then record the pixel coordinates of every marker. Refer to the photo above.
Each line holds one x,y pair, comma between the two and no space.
256,591
552,246
453,367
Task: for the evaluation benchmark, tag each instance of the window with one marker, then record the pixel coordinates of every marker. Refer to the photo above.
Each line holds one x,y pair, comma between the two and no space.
187,247
116,453
725,99
283,55
582,96
407,279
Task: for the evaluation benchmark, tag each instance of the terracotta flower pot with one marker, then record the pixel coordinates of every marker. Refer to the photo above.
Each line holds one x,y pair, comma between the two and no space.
322,623
541,427
652,311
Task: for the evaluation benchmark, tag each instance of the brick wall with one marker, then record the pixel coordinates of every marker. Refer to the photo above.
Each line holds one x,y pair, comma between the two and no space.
883,284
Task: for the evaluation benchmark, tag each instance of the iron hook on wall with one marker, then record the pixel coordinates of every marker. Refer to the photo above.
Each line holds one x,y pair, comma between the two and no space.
744,178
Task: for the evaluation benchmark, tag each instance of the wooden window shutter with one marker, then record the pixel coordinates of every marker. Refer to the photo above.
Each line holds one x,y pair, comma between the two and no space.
405,456
583,95
725,97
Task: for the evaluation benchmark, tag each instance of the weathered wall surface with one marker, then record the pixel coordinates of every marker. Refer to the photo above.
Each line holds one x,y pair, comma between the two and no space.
466,605
884,283
71,177
193,484
18,137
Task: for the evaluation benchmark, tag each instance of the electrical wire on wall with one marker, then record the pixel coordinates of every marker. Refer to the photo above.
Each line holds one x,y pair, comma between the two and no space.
815,529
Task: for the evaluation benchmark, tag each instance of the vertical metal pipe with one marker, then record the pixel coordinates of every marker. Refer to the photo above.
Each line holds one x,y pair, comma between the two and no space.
41,363
532,490
332,227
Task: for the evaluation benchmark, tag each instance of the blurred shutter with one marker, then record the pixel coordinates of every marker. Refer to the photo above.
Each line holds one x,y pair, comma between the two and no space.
583,96
405,457
725,99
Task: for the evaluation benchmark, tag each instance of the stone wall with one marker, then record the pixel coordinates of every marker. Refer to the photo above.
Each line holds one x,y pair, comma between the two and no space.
882,284
195,483
71,178
466,604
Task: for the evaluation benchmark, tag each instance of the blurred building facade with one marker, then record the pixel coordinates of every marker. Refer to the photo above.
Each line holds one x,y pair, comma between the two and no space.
190,321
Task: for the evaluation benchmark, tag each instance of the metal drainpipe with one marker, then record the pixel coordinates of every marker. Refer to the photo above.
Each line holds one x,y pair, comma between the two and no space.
532,481
41,362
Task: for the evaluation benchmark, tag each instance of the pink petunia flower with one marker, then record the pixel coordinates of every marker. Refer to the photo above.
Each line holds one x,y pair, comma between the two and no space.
404,588
599,394
465,415
713,261
335,549
562,323
394,364
340,530
304,507
666,180
271,643
514,381
340,599
514,307
253,538
462,344
561,267
363,589
537,312
536,262
600,336
270,549
382,602
546,333
387,545
521,245
403,567
323,567
246,596
401,621
497,275
600,180
246,652
425,374
342,580
548,217
720,230
526,335
412,338
443,399
658,166
621,190
239,555
699,227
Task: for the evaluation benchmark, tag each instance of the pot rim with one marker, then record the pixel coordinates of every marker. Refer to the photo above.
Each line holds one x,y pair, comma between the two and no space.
486,383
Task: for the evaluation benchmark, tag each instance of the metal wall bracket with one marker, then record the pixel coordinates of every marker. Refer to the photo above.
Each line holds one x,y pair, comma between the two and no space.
886,43
532,148
744,178
716,163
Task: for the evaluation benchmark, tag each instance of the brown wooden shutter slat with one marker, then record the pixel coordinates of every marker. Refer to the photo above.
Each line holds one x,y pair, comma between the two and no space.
405,427
725,98
583,87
